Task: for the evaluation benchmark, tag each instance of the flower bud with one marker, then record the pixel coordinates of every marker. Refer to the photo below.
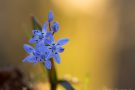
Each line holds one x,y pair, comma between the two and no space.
55,26
50,16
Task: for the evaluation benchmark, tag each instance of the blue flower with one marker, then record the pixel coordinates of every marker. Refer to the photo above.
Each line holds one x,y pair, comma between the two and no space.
45,46
39,35
50,16
55,48
39,54
55,26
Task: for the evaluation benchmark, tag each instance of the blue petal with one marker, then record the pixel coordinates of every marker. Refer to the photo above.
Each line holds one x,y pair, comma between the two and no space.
43,52
32,40
44,28
62,42
30,58
48,55
60,49
57,58
55,26
49,37
29,49
41,48
47,42
48,64
48,34
50,16
39,44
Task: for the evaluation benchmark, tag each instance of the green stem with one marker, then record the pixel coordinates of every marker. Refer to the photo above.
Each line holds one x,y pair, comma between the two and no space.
52,73
52,76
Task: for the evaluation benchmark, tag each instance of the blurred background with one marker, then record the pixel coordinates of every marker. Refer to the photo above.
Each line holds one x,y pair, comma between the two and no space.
101,51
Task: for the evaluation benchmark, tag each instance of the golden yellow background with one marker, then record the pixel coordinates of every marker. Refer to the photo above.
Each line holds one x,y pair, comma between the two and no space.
91,25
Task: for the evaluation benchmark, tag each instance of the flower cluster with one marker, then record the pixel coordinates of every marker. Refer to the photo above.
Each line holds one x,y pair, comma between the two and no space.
45,47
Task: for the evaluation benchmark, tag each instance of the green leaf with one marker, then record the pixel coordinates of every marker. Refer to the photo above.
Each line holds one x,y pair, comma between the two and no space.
35,23
66,84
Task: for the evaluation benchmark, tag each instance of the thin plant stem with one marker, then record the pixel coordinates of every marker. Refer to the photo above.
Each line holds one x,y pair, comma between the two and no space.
52,74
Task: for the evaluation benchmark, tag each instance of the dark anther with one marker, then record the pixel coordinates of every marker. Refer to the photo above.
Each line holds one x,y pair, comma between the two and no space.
33,53
36,40
36,58
56,53
40,38
45,52
47,45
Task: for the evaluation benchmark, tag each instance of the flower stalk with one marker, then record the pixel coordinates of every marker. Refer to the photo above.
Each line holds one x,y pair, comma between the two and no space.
46,50
52,74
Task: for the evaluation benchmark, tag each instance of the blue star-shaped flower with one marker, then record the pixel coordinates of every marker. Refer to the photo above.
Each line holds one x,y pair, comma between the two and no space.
46,47
39,35
39,54
55,48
